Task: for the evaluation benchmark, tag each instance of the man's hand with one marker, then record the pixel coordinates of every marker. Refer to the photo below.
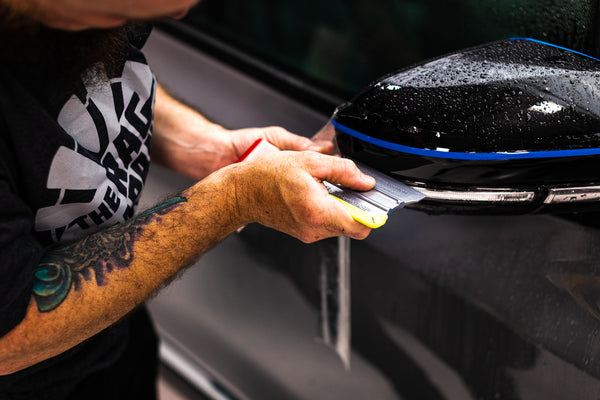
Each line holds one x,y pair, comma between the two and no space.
242,139
186,142
283,191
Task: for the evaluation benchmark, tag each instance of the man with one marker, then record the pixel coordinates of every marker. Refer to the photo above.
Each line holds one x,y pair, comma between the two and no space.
78,107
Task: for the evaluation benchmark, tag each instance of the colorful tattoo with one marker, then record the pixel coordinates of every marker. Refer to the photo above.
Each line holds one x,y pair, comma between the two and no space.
93,257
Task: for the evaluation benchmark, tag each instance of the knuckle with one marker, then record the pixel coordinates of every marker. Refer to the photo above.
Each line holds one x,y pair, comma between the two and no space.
272,130
348,167
311,158
276,131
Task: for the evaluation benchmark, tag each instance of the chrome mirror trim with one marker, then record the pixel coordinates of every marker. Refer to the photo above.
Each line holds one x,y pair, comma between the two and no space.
490,195
573,194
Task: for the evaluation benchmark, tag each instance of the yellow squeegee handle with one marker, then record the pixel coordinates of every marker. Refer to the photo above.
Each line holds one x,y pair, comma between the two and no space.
370,220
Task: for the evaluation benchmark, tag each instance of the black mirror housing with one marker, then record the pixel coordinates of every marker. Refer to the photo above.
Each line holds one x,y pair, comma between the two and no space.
511,127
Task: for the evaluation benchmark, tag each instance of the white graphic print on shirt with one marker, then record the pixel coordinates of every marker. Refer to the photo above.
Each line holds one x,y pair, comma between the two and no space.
101,178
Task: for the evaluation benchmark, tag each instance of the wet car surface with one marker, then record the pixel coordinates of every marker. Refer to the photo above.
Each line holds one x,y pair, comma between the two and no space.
442,307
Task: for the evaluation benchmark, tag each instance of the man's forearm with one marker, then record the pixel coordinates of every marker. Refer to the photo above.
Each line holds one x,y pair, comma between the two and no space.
91,259
81,288
185,141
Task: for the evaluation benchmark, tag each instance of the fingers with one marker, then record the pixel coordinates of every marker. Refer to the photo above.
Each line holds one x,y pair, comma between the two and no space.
332,169
324,217
339,170
329,211
286,140
242,139
322,146
343,222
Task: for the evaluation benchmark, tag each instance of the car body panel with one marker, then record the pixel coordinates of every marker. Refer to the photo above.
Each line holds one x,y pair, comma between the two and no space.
442,307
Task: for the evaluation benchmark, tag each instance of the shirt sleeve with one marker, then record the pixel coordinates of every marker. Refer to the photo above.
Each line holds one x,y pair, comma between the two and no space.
20,253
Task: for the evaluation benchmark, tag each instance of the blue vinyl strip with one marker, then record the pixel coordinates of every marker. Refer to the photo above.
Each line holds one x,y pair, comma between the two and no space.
556,46
464,155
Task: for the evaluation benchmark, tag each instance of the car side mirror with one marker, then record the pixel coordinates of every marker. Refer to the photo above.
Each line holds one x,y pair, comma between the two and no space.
508,127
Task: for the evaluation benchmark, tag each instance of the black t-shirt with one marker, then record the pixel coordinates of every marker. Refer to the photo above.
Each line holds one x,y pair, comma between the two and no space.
72,160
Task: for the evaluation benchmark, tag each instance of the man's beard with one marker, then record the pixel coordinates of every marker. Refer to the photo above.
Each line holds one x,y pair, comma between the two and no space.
32,51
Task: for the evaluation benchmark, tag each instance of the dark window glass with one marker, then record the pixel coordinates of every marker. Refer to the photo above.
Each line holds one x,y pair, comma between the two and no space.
344,44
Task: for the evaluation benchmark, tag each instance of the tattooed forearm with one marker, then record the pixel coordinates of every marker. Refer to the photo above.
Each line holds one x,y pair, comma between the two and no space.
91,258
